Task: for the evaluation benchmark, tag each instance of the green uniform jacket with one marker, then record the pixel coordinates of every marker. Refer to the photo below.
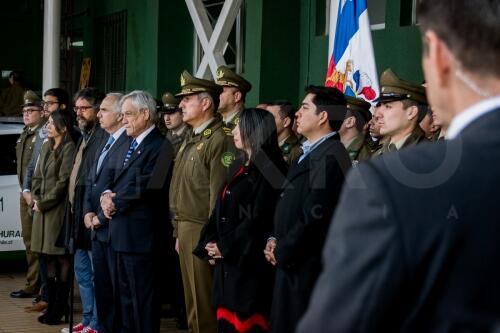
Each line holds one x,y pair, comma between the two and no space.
24,150
177,140
358,150
416,136
50,189
11,100
230,125
200,170
291,149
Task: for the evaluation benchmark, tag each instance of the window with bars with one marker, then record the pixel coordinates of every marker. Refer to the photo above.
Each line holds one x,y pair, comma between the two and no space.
234,49
408,13
109,67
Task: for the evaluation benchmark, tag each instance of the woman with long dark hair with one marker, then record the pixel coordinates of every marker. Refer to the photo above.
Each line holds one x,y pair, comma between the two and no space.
240,224
50,186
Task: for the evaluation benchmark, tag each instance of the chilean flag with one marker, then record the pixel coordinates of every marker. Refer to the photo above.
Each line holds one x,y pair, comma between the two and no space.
351,67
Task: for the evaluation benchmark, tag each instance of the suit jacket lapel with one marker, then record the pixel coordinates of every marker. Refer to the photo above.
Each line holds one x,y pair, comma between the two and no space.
143,147
299,168
318,153
122,139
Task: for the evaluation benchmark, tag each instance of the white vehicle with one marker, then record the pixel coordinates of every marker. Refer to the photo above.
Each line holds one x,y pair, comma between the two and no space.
10,221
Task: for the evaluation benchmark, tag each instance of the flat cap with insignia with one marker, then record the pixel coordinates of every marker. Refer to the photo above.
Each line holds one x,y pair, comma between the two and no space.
227,78
359,105
395,89
31,99
170,103
192,85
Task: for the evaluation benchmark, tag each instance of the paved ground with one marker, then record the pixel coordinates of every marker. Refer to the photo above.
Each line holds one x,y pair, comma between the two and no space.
13,318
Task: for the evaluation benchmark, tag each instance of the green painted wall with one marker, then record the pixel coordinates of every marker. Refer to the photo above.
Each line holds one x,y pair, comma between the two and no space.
272,50
21,40
142,37
398,47
175,45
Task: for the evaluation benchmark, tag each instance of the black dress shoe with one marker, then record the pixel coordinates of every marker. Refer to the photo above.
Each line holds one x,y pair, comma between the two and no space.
20,294
37,299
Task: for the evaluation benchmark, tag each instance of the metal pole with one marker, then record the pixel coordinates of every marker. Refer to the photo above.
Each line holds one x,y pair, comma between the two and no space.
51,41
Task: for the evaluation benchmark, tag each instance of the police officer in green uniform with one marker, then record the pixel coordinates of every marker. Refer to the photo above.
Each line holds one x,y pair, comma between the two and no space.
33,120
232,98
401,110
284,116
352,132
200,169
177,130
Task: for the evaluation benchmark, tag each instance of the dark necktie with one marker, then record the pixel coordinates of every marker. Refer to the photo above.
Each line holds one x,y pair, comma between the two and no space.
130,151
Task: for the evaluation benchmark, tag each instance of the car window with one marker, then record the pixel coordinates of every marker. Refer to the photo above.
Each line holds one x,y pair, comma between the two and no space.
8,154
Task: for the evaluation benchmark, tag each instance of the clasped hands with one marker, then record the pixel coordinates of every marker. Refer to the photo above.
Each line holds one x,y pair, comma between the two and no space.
107,204
269,251
91,221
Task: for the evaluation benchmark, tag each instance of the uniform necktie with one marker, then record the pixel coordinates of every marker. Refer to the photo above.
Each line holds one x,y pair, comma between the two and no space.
104,151
130,151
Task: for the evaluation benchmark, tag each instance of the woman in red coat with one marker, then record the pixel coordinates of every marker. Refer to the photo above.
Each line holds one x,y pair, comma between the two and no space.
240,224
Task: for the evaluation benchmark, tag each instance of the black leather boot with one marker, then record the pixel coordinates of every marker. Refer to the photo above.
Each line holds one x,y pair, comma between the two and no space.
61,306
51,286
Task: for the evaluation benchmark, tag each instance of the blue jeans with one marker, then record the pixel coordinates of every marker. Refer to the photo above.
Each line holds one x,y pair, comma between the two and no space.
84,274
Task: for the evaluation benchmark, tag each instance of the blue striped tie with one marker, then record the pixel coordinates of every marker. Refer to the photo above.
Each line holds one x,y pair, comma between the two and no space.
130,151
104,152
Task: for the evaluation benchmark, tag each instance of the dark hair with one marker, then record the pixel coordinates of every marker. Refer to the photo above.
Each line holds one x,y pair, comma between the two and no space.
362,118
92,95
61,95
470,29
287,110
421,108
61,120
329,99
258,133
15,76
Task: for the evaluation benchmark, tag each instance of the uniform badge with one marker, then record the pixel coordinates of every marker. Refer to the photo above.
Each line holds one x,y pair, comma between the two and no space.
183,81
199,146
207,132
220,74
236,120
285,148
227,158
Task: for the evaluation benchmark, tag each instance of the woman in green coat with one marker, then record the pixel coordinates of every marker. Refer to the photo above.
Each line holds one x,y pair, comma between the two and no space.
50,187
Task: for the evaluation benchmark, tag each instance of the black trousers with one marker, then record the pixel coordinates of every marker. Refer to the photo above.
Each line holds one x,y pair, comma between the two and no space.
106,290
135,287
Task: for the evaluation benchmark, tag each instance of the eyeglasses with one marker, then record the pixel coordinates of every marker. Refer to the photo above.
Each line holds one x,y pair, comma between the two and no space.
30,111
82,108
49,103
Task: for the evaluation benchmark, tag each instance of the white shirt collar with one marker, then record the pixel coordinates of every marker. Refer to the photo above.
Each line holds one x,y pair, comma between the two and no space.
465,118
200,128
143,135
117,134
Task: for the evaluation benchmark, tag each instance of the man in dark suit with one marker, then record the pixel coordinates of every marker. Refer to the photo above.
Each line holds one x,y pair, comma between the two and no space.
414,244
134,200
306,206
103,259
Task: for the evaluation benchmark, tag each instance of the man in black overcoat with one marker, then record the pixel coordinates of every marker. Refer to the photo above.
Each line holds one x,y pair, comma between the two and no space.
306,206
